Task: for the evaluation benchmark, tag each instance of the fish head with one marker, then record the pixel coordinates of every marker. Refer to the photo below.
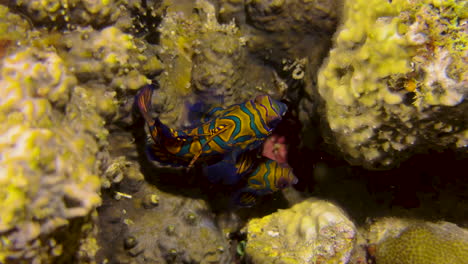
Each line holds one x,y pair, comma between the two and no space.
286,178
272,109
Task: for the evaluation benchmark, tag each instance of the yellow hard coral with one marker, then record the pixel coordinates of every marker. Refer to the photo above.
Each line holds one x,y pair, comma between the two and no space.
71,11
43,77
12,26
393,61
107,54
425,243
41,123
98,6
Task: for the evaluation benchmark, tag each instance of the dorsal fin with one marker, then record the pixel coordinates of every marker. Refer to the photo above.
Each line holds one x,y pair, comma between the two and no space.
143,101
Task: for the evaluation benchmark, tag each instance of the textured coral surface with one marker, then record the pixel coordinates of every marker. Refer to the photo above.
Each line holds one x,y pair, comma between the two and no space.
403,241
396,79
309,232
42,133
77,186
53,144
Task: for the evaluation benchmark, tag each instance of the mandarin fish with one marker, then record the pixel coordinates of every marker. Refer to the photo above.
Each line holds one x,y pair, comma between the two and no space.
263,176
224,133
267,177
230,171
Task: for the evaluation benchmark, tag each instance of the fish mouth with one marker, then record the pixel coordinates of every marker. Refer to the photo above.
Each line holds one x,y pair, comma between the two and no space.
294,181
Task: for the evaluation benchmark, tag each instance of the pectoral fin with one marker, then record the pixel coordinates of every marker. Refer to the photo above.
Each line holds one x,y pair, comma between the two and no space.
245,199
211,136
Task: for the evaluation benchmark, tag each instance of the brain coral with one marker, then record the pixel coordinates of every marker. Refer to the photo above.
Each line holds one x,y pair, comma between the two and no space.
396,80
424,243
48,146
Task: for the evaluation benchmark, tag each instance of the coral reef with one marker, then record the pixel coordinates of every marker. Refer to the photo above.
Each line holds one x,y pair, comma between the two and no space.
13,27
77,188
69,12
292,31
109,55
401,241
395,82
309,232
46,127
205,61
60,89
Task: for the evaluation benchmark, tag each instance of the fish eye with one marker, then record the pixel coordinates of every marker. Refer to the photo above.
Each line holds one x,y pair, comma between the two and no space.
282,183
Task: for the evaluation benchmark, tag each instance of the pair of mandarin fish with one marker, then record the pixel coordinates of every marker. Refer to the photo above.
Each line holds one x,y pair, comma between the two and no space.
225,143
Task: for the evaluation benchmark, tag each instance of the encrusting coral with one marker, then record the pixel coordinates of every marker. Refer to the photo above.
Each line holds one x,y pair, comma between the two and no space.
395,82
68,12
43,133
58,91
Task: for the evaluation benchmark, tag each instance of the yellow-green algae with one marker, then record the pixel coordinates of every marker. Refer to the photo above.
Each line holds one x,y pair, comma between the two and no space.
405,241
394,65
110,55
308,232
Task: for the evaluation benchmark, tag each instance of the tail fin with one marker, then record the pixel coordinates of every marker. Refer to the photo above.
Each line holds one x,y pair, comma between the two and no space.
143,101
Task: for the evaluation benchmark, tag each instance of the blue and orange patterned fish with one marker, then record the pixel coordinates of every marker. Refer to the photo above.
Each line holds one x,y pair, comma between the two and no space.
268,177
263,176
225,134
